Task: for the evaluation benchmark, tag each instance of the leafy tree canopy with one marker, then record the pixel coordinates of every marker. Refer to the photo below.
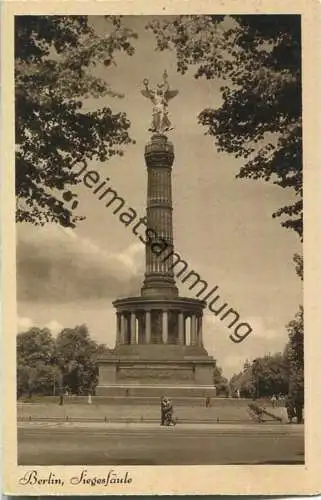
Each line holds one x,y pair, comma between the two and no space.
258,58
54,61
263,377
35,346
76,355
298,260
295,355
219,381
38,378
36,370
270,375
45,364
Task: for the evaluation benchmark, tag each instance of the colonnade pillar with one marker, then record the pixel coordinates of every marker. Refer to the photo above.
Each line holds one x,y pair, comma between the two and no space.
148,328
122,328
200,330
126,328
118,332
193,330
165,327
181,328
196,336
133,328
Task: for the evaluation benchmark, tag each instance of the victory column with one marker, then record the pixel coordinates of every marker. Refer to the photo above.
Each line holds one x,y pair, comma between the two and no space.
153,354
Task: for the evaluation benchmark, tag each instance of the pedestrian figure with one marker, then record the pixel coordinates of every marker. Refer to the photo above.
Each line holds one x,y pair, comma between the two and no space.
207,402
169,413
61,400
289,404
89,399
163,404
273,401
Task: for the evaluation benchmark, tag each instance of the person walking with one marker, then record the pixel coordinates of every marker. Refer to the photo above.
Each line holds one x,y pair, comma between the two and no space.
290,408
169,413
163,409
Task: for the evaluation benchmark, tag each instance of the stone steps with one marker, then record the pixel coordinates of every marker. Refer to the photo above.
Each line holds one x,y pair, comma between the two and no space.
125,412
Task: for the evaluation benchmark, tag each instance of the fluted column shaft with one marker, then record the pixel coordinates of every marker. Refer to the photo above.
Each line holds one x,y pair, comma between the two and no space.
122,328
133,328
200,331
159,275
181,328
193,330
118,329
165,327
148,327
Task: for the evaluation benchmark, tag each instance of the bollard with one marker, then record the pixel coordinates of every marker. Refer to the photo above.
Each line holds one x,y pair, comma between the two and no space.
105,420
218,420
29,418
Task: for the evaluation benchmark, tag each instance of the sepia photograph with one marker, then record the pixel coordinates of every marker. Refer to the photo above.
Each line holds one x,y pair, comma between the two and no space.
158,245
159,227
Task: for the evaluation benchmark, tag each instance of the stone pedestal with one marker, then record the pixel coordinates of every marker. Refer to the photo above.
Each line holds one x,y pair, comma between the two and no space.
163,359
155,370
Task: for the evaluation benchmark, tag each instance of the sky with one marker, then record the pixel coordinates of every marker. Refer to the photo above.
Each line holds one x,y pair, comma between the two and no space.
223,226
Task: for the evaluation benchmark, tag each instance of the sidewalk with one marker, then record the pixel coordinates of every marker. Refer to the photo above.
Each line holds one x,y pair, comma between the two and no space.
264,427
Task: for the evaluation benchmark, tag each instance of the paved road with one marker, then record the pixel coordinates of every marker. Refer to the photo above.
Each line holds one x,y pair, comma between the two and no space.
152,445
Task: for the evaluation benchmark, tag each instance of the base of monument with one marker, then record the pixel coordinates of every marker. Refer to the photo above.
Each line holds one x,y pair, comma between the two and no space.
156,370
152,391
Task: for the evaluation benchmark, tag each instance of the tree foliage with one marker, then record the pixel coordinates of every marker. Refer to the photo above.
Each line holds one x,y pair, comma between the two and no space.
270,375
298,260
243,382
36,371
35,346
46,365
263,377
295,355
75,355
220,382
258,59
55,57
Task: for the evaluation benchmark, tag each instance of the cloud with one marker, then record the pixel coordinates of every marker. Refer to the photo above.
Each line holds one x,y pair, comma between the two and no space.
231,356
260,330
24,323
233,363
54,326
55,265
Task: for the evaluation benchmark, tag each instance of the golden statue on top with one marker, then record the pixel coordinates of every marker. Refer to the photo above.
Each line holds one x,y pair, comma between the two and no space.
159,97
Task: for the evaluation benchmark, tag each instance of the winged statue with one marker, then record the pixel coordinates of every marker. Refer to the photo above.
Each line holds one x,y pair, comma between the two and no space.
159,97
